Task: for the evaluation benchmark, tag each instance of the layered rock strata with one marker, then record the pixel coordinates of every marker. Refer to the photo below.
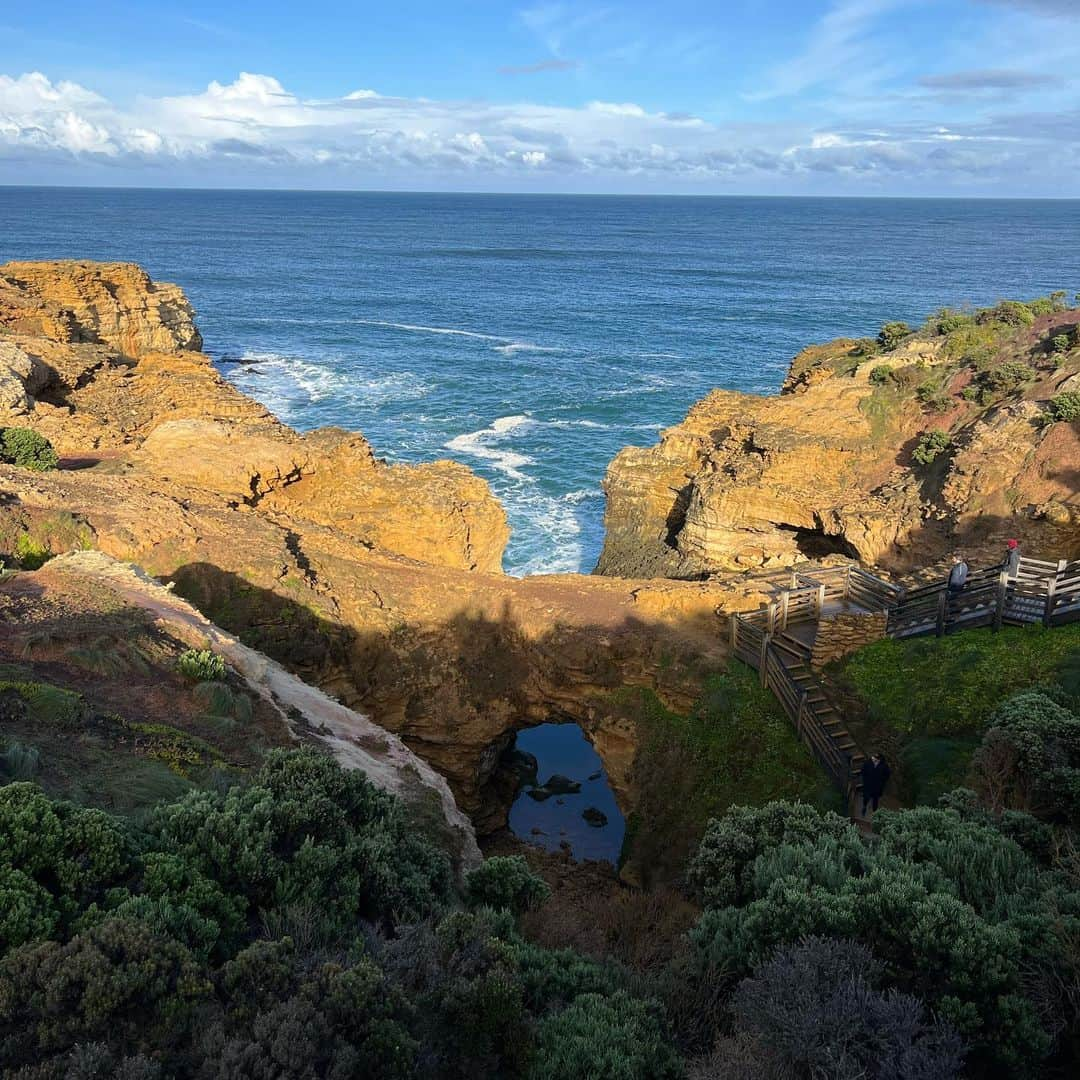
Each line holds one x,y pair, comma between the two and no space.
376,583
828,467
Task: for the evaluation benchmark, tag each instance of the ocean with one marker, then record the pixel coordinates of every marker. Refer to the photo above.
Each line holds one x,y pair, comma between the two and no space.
531,337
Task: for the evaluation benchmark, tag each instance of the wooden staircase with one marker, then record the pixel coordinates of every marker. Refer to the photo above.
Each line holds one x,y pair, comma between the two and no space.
777,639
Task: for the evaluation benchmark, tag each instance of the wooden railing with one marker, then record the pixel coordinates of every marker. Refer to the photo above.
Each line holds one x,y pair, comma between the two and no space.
752,643
1040,592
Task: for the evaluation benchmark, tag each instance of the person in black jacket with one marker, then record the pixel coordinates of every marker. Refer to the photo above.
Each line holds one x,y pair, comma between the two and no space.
875,775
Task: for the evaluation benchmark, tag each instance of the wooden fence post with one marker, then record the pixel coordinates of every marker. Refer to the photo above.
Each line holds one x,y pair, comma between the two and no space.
794,583
1051,592
785,600
801,714
820,600
942,611
764,661
1002,592
734,620
847,582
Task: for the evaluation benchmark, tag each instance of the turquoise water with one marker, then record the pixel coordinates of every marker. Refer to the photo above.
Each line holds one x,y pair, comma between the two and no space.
531,337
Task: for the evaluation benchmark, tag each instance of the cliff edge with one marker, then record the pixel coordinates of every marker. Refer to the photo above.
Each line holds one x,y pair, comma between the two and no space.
894,451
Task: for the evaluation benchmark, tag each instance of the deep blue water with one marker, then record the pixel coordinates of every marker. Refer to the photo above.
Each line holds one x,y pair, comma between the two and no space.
533,336
563,749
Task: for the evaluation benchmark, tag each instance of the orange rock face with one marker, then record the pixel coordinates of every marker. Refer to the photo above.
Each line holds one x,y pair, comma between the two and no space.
102,361
826,467
380,584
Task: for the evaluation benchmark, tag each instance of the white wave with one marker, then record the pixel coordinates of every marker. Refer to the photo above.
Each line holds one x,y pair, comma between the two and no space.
448,331
516,347
507,346
478,444
577,423
288,384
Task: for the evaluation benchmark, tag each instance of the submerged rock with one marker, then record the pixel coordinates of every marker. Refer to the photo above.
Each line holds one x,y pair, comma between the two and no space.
596,775
556,785
596,818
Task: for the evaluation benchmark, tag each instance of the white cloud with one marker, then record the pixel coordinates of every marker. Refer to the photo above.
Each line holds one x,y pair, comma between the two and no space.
256,129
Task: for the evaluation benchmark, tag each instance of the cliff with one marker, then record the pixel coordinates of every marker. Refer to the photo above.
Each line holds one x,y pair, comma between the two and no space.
831,465
376,583
101,361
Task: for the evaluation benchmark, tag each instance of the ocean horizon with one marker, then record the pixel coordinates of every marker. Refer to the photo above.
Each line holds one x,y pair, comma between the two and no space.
533,336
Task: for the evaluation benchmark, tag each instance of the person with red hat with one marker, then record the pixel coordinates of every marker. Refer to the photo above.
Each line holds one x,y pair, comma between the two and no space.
1012,559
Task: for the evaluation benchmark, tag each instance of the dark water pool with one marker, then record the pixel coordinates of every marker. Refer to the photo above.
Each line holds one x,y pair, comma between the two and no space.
562,749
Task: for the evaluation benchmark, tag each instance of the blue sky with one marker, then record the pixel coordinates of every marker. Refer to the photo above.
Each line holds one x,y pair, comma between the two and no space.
874,97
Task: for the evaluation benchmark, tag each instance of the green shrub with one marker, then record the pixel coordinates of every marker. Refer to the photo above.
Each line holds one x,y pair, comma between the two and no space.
867,347
307,834
1007,376
1060,343
201,665
604,1038
892,333
1009,313
27,449
18,762
955,910
116,982
505,881
948,322
881,374
1065,406
931,445
31,554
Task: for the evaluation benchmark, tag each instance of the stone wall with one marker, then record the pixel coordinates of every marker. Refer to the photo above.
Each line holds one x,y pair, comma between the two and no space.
845,632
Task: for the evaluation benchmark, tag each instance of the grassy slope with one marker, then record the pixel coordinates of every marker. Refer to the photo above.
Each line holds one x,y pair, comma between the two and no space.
926,700
735,747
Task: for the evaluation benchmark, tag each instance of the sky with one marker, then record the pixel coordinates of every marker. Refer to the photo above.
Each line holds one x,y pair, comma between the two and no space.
792,97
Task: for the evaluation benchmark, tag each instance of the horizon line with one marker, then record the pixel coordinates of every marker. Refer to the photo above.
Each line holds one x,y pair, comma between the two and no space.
535,194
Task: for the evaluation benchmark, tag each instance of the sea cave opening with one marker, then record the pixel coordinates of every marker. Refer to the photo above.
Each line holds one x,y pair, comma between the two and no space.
563,800
815,544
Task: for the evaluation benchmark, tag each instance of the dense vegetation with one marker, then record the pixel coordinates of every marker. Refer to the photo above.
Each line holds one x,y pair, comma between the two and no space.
291,925
27,449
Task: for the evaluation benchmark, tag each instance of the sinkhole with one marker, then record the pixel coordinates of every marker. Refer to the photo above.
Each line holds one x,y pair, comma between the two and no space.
564,801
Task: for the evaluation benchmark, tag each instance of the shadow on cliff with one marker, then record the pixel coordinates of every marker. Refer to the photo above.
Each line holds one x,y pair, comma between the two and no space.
457,690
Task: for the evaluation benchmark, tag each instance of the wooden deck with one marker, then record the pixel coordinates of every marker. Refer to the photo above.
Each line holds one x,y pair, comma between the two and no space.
778,639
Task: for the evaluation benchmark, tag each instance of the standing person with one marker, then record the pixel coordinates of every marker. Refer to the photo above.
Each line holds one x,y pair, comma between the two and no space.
958,575
875,775
1012,559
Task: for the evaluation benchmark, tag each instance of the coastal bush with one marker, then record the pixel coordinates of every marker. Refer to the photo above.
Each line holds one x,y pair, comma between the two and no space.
27,449
201,665
880,374
506,882
892,334
947,322
867,347
1060,343
17,761
1008,313
1006,376
604,1038
816,1008
931,445
305,833
956,911
1029,759
1065,407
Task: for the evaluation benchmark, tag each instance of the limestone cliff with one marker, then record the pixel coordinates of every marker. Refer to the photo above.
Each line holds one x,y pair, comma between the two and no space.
102,361
830,465
374,582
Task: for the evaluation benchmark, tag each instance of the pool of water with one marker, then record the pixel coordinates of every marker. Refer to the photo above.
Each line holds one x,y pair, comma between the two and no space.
558,821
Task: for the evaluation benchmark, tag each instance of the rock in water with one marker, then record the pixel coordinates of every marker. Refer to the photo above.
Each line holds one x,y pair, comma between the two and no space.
562,785
596,818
